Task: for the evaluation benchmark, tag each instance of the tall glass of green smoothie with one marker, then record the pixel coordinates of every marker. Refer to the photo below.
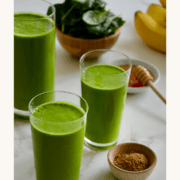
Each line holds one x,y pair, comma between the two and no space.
104,86
34,52
58,129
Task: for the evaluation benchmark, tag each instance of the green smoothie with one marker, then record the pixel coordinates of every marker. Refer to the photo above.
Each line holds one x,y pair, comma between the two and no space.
34,57
104,87
58,136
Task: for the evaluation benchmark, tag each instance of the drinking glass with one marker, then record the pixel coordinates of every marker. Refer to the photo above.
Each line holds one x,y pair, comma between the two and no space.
104,86
57,139
34,52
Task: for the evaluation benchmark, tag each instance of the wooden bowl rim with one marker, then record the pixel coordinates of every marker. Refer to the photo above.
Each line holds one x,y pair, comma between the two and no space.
84,40
133,172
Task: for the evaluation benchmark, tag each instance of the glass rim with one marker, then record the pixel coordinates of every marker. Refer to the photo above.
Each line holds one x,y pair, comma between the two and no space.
63,101
45,17
105,50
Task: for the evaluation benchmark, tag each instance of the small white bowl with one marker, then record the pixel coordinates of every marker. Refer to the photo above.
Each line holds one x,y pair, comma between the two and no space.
153,69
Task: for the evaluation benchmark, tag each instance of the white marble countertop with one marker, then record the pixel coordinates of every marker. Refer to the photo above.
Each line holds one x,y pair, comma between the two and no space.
144,118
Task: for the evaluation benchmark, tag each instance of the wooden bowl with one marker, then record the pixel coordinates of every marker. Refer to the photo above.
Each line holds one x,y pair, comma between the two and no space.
79,46
127,148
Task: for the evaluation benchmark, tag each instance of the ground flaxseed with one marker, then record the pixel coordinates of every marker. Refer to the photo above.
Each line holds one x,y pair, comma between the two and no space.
131,162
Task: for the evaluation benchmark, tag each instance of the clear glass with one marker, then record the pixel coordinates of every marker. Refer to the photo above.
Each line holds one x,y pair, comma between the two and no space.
57,146
105,92
34,52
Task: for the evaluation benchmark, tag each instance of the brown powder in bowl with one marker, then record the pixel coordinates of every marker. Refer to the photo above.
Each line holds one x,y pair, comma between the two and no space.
131,162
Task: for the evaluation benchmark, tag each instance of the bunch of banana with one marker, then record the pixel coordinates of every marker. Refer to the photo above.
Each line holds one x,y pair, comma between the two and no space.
151,26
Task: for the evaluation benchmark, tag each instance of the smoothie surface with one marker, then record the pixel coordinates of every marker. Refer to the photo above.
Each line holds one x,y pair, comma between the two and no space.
57,118
105,69
104,76
29,24
58,112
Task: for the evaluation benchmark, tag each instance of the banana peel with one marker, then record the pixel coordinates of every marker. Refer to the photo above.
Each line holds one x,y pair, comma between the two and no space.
153,34
163,2
158,13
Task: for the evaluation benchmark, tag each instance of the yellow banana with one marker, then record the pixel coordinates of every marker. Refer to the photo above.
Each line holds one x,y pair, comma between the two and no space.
163,2
158,13
150,31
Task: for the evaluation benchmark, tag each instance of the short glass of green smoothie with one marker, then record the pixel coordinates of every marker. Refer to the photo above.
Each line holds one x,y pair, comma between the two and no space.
34,52
104,86
58,122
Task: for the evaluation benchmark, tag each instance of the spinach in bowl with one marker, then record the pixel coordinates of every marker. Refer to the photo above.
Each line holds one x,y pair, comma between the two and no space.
87,19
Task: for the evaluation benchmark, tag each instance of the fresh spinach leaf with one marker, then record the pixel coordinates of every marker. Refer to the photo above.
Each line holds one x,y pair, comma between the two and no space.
94,17
110,19
118,22
105,28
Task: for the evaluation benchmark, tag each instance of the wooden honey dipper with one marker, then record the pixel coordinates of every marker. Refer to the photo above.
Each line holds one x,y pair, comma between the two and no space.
146,78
